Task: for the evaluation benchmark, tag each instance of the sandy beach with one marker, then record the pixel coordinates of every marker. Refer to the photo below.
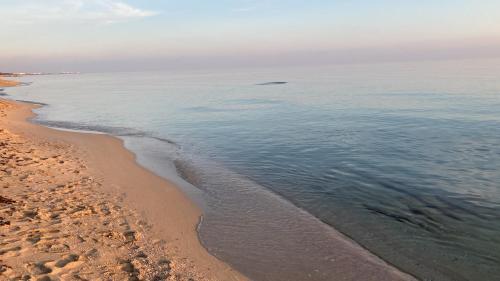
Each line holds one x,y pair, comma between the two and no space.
76,206
8,83
249,140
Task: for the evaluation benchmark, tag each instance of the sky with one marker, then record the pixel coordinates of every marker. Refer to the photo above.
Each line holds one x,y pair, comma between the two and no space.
117,35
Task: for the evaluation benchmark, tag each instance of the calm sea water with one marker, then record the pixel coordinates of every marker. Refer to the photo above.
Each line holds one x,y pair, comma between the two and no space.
404,158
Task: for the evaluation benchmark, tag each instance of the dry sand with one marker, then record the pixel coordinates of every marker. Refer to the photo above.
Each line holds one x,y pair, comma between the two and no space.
76,206
8,83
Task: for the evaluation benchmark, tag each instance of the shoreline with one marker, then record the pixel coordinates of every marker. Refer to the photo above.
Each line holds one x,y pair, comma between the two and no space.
187,249
8,83
172,219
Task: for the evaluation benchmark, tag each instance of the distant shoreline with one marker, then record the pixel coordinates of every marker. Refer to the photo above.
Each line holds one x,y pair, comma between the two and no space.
8,83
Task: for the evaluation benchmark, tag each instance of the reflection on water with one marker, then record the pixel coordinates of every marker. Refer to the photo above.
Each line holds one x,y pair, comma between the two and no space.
403,158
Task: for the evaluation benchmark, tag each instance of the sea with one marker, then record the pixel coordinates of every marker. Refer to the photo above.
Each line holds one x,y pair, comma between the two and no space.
401,157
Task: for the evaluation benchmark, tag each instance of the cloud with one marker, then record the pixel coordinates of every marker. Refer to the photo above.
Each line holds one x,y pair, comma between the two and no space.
71,11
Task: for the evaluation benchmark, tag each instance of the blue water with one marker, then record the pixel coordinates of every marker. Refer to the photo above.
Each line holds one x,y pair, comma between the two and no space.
404,158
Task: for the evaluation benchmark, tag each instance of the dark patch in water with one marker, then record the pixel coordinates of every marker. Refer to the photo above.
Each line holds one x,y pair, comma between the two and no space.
429,227
441,209
117,131
166,140
253,101
460,208
187,172
86,127
272,83
210,109
33,102
397,217
422,213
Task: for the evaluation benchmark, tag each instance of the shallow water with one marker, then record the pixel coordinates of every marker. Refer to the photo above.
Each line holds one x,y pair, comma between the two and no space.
403,158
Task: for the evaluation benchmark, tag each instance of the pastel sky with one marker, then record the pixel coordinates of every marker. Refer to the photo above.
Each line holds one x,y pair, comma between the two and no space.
106,35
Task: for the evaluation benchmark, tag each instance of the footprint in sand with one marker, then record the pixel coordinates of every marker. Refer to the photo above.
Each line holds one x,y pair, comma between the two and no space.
12,251
33,238
66,260
38,268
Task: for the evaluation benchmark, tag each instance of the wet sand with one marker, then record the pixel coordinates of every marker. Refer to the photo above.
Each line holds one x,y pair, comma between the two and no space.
76,206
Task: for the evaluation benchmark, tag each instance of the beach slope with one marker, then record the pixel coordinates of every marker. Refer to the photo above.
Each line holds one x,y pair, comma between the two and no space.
76,206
